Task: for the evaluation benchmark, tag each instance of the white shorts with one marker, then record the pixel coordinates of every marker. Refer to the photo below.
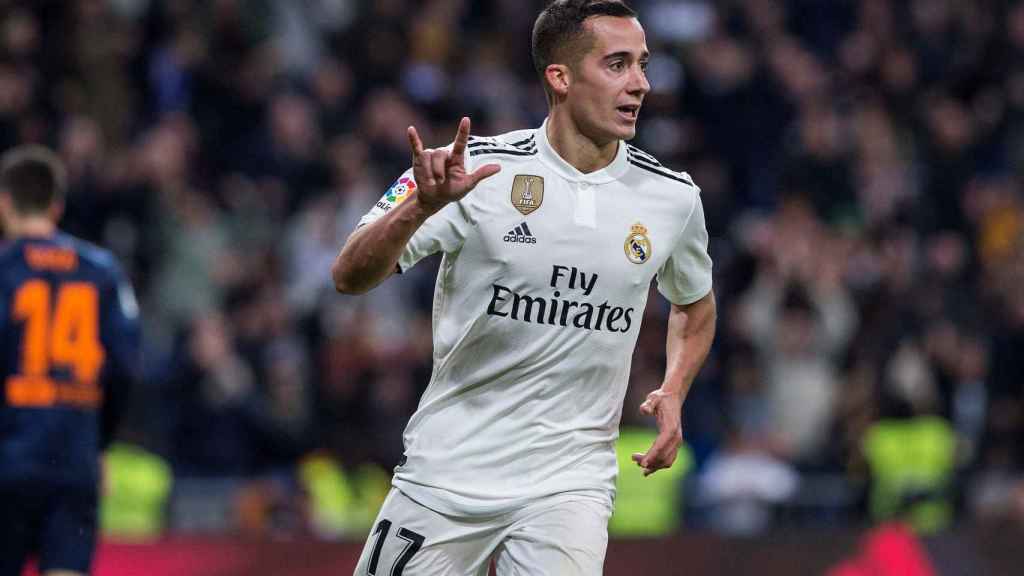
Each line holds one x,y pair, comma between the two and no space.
560,535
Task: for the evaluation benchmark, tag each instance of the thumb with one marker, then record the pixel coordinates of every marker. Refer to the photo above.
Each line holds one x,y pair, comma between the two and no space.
485,171
647,408
638,457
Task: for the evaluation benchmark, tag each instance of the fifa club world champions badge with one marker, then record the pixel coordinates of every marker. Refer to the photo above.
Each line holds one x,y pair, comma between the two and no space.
638,245
527,192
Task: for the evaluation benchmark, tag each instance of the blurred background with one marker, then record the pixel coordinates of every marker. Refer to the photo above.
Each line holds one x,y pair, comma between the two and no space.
860,167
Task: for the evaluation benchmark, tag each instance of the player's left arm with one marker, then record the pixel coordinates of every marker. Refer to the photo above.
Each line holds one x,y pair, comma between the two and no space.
4,298
691,328
122,337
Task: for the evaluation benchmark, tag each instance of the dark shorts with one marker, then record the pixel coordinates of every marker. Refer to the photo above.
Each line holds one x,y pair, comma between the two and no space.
55,525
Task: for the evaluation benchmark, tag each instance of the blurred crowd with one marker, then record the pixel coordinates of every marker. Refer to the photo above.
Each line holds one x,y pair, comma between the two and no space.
859,165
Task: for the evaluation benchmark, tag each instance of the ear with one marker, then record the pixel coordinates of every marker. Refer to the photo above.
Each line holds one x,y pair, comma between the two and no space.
5,212
56,211
559,78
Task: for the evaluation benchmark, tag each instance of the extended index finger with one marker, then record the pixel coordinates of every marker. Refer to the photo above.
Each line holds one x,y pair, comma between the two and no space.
461,138
415,143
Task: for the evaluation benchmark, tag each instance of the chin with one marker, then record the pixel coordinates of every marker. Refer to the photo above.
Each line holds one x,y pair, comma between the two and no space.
625,132
605,133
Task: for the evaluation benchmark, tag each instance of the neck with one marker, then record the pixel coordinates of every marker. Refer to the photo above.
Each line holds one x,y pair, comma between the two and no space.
574,147
31,226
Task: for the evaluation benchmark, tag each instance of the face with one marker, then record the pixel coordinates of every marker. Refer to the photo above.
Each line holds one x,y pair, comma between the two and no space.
608,85
6,210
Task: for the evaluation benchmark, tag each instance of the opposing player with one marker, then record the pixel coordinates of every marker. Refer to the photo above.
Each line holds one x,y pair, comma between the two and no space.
68,349
550,238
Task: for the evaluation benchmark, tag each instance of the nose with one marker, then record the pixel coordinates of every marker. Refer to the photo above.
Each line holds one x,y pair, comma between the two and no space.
638,84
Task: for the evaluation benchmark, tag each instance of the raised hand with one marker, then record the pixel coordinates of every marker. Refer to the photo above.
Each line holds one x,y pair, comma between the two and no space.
440,174
667,410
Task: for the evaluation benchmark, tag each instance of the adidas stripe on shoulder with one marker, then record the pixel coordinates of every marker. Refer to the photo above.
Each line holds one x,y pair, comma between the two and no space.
641,159
482,146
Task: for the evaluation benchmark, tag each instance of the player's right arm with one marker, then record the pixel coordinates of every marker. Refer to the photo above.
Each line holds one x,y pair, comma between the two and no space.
372,252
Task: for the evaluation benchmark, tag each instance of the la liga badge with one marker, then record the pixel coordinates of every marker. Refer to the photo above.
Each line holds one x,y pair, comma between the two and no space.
400,190
397,194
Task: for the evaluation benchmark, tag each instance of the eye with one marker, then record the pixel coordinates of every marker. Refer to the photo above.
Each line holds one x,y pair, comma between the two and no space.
643,65
617,65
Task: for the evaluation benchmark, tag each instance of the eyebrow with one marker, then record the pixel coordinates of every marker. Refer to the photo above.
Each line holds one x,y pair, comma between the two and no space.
626,54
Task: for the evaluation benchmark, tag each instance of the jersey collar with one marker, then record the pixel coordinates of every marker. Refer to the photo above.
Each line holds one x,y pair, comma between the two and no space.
613,171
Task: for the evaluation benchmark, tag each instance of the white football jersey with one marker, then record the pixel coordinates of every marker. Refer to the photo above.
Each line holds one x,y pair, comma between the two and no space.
537,307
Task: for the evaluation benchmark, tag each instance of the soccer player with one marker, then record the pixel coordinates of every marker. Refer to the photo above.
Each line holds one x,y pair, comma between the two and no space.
68,349
550,238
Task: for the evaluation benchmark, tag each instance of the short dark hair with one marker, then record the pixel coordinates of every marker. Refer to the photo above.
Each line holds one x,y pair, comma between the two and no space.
34,177
559,34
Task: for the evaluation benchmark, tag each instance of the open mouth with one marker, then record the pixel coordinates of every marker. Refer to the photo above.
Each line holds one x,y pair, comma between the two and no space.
629,111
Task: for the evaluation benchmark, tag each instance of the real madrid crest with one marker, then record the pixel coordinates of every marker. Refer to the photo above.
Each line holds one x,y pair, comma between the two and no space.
638,245
527,192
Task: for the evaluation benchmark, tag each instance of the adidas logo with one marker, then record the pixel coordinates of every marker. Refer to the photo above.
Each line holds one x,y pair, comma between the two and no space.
520,235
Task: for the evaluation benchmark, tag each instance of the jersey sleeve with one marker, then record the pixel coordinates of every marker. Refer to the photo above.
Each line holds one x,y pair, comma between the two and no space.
686,275
4,297
121,335
397,193
445,231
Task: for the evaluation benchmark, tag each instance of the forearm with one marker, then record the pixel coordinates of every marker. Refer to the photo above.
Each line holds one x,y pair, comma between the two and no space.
371,253
691,329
